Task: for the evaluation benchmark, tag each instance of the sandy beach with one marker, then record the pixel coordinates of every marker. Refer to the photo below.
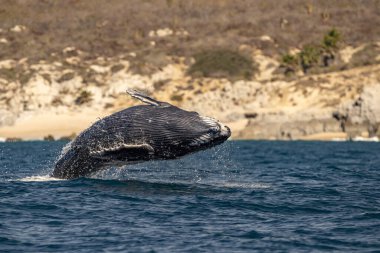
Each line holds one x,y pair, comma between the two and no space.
37,126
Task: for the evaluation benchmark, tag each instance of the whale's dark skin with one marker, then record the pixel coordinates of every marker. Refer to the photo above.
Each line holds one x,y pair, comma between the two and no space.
155,131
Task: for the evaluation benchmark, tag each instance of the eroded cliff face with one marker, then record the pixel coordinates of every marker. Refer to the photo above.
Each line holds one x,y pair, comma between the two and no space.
344,104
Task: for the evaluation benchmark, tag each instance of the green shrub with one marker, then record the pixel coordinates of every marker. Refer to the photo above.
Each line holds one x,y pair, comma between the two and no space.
222,63
309,56
331,39
289,63
312,55
289,60
329,46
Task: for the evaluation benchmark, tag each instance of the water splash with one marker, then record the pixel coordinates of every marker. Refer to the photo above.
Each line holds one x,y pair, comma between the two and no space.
64,150
45,178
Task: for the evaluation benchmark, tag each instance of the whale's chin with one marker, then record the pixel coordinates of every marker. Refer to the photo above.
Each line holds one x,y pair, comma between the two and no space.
212,139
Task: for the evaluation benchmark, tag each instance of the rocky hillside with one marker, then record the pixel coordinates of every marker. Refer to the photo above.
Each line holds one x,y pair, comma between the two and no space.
306,76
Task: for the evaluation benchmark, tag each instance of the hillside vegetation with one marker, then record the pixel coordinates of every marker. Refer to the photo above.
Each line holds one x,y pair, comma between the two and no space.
106,28
251,63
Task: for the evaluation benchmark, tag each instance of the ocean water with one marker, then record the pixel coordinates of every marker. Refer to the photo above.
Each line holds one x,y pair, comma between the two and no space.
243,196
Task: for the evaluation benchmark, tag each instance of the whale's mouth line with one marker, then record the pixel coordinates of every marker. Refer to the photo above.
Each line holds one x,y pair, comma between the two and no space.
217,134
207,141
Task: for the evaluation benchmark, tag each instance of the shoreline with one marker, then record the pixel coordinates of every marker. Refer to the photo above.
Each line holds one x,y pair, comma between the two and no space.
53,126
49,124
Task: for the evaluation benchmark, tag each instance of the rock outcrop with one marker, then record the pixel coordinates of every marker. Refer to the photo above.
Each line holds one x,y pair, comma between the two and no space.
343,104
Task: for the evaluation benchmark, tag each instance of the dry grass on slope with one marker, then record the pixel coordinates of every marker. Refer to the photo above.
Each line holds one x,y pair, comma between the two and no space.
106,28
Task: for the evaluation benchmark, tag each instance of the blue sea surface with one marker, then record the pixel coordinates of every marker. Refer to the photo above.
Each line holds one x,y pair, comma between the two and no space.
243,196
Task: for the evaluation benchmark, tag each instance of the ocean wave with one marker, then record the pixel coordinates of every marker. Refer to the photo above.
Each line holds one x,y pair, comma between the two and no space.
359,138
240,185
45,178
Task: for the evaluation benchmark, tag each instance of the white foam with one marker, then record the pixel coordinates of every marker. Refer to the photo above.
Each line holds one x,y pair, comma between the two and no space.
359,138
242,185
39,179
338,139
65,149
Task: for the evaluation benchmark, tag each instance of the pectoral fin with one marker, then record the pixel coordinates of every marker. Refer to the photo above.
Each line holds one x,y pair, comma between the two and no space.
125,152
146,99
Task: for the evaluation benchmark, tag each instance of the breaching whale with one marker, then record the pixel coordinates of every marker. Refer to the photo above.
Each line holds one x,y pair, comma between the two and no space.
154,131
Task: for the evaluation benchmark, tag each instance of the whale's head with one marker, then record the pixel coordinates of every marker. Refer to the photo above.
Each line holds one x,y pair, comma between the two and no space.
210,132
174,132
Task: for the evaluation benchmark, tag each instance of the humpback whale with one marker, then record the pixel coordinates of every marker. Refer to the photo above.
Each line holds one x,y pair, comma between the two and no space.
153,131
